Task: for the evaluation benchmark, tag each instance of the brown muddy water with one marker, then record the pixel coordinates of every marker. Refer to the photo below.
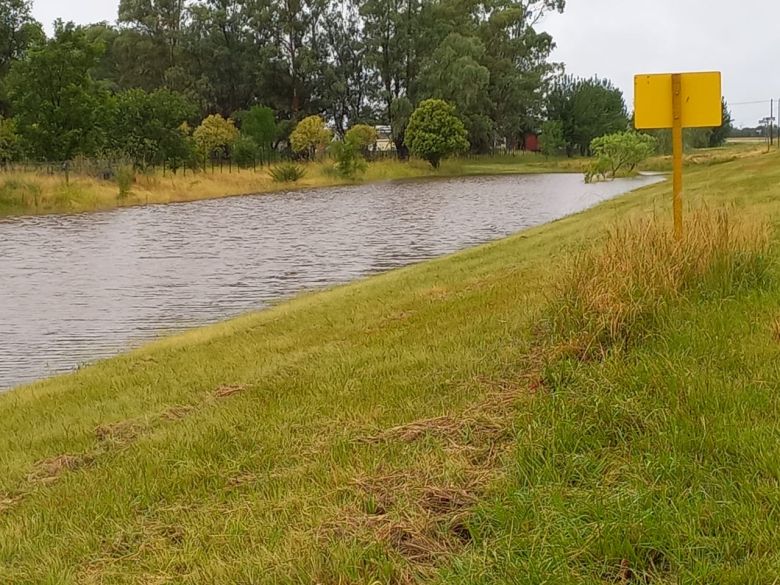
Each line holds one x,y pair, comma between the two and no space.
78,288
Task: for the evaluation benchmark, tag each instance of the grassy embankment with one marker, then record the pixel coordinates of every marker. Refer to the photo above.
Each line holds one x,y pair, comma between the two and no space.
536,410
23,193
36,193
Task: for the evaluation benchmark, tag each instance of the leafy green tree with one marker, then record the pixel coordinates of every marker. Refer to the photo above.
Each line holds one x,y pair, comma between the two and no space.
398,35
159,21
309,136
551,140
147,126
455,74
297,65
215,137
18,32
225,51
621,152
348,90
259,124
363,136
9,140
586,109
401,110
435,132
517,56
59,110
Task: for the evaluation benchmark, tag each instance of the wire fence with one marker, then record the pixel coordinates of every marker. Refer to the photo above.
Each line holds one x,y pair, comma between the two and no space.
107,169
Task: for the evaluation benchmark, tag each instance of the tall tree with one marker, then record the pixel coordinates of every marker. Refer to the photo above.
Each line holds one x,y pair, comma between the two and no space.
149,46
59,109
295,70
586,109
347,89
18,32
227,52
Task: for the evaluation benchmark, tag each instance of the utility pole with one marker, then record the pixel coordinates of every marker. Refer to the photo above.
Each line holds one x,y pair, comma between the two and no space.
772,122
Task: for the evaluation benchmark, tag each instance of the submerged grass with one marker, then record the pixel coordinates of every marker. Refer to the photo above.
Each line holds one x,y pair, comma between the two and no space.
424,426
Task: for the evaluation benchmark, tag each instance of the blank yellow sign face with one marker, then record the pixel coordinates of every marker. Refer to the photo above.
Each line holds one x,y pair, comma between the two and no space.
701,100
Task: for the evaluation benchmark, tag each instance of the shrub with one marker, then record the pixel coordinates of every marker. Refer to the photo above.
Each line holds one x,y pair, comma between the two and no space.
215,135
620,152
362,136
349,154
349,161
309,136
287,173
435,132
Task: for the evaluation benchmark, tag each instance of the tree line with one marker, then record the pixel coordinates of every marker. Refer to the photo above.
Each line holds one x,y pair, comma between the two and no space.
141,85
178,82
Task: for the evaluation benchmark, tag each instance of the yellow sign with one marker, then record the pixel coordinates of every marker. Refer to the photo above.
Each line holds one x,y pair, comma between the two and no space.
677,101
700,95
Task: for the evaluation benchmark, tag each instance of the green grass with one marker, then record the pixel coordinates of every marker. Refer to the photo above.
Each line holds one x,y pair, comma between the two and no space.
416,427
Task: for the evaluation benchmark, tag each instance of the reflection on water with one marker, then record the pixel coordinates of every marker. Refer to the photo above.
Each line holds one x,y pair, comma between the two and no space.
81,287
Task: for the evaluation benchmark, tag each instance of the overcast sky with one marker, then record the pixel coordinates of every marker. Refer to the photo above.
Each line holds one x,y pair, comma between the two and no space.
618,38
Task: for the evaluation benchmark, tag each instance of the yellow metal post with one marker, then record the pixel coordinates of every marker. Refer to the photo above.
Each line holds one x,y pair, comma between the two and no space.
677,154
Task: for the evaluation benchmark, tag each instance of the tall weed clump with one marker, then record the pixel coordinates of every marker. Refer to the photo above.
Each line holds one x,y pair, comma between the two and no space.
614,293
125,178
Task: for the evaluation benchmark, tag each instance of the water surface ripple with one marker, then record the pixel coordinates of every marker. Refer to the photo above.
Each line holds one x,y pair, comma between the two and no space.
77,288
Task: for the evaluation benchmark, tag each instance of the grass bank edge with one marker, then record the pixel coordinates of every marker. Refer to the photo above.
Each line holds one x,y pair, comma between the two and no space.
25,193
479,303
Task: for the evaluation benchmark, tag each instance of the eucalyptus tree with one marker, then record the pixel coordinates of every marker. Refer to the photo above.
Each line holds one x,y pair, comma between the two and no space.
148,49
226,53
18,32
348,91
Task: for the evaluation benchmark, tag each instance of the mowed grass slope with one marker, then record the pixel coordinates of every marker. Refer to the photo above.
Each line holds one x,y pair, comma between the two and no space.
460,421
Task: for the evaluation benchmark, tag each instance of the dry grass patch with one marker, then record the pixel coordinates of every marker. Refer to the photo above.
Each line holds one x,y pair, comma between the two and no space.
49,470
229,390
612,294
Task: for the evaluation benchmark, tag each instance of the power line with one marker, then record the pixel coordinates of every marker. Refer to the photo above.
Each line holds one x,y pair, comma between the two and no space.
749,103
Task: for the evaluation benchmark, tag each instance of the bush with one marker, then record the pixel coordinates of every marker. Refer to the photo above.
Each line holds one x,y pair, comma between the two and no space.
620,153
349,154
435,132
349,161
215,136
362,136
309,136
287,173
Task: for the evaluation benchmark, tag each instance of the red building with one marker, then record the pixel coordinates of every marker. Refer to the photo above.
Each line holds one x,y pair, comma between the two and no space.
531,142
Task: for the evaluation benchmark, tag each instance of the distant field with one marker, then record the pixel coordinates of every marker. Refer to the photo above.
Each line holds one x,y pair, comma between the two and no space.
584,402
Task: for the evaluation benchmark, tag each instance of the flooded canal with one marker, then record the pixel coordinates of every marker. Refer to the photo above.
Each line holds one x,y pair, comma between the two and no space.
77,288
